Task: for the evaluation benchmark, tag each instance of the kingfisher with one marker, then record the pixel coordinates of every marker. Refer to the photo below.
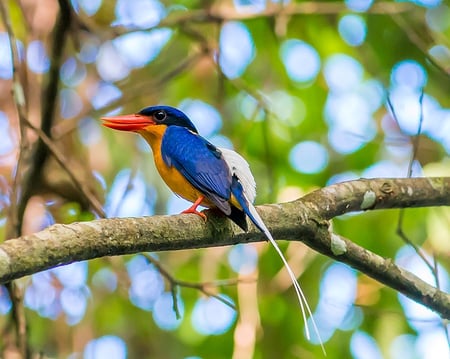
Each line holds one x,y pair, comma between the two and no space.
206,175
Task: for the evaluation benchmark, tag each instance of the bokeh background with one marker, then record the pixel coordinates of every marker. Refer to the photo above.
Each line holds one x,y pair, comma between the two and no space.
301,90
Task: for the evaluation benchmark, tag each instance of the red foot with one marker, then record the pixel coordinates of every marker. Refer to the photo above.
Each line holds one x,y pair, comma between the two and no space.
193,208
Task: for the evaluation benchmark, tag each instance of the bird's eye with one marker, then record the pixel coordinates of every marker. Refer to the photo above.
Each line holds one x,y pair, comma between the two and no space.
160,116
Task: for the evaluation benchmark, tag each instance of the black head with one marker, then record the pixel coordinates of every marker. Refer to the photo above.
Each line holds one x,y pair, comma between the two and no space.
169,116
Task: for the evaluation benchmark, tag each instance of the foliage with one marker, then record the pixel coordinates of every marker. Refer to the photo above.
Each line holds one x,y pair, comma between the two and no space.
300,90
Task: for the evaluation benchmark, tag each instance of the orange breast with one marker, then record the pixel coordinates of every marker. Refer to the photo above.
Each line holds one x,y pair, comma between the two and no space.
171,176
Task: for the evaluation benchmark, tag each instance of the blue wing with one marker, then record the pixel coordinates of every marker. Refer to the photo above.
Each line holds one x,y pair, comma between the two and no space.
200,162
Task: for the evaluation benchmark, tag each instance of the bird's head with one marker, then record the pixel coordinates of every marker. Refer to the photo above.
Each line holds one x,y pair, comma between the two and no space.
149,116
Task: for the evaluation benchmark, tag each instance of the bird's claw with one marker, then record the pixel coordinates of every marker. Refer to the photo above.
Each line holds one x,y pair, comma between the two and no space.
193,208
194,211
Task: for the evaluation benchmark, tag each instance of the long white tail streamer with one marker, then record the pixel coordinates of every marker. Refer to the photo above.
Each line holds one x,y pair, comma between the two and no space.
300,295
240,167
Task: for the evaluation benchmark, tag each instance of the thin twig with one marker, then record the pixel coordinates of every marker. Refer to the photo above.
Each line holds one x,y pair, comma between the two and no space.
202,287
62,161
50,93
416,138
268,160
262,104
147,88
20,103
433,267
113,212
414,36
399,230
14,221
220,14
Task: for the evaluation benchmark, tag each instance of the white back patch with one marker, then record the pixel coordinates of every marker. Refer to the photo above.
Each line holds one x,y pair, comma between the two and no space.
240,167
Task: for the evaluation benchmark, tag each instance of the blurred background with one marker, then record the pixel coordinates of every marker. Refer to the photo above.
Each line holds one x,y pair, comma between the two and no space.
300,89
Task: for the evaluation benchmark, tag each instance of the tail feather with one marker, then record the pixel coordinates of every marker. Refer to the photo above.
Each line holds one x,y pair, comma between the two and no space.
243,189
254,216
239,217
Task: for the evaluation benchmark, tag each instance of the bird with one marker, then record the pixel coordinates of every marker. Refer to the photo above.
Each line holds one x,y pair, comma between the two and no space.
206,175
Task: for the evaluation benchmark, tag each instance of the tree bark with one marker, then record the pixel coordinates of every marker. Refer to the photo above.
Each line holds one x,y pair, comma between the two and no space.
305,220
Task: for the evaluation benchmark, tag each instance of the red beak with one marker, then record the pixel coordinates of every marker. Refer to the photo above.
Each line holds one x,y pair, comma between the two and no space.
134,122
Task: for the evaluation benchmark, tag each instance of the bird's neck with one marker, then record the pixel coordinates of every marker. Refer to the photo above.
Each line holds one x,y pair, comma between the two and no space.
153,135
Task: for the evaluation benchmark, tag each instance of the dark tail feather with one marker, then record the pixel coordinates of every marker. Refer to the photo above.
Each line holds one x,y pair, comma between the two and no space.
238,192
238,216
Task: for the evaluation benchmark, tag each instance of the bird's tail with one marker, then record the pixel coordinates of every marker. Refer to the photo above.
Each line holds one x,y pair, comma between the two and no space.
254,216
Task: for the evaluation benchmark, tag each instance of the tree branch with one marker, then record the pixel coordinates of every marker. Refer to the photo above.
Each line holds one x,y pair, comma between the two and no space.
50,94
223,13
305,220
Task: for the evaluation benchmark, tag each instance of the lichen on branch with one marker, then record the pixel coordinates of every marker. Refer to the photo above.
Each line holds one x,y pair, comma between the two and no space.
305,220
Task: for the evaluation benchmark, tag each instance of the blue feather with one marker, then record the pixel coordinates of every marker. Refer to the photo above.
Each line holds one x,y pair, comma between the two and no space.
200,162
238,193
174,116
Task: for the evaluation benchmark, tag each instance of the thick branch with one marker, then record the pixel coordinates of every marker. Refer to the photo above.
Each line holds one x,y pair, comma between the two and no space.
304,220
367,194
